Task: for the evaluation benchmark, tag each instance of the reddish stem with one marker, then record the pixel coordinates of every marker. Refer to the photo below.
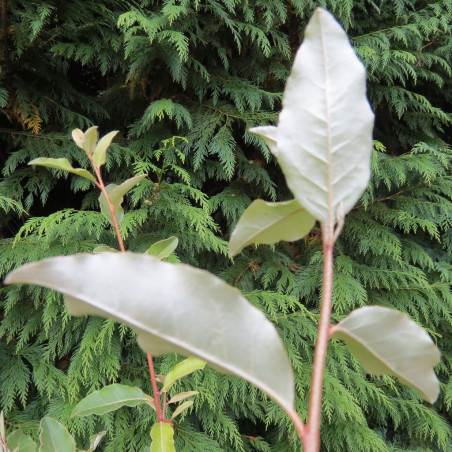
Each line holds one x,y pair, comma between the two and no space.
158,410
164,404
112,209
298,424
311,441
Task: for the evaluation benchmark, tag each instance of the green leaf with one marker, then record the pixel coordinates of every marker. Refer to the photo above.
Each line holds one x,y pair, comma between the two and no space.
18,441
62,164
110,398
173,308
90,138
163,248
119,211
104,249
387,342
54,437
270,222
116,195
77,136
95,439
181,408
323,140
100,152
162,437
182,396
180,370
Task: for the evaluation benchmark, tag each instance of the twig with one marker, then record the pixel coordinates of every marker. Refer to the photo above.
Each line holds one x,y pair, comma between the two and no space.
112,209
158,410
311,441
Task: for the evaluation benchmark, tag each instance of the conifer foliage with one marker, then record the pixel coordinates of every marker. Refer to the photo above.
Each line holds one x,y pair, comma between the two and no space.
184,81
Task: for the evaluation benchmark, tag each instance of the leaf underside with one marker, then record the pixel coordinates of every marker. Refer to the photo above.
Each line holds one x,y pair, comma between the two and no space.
323,140
387,342
173,308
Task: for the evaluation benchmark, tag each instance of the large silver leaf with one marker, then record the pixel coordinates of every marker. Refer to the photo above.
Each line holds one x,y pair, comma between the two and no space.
323,140
173,308
387,342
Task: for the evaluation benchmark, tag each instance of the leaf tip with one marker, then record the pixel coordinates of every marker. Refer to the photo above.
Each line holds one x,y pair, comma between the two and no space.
77,136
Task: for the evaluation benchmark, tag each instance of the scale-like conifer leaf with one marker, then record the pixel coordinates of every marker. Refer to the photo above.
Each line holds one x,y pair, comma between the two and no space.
173,308
387,342
62,164
270,222
323,140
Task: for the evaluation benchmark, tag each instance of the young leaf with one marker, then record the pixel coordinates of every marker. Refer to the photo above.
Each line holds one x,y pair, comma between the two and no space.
162,437
180,370
119,211
95,439
18,441
104,249
163,248
90,138
110,398
323,140
54,437
100,152
173,308
270,222
181,408
387,342
77,136
182,396
116,195
62,164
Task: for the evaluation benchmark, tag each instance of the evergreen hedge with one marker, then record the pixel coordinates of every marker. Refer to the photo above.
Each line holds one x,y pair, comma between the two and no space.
183,81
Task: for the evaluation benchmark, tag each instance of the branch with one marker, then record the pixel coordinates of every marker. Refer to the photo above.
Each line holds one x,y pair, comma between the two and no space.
311,441
5,34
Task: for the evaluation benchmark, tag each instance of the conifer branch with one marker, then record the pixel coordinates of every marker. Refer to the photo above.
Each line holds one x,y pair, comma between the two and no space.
5,33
